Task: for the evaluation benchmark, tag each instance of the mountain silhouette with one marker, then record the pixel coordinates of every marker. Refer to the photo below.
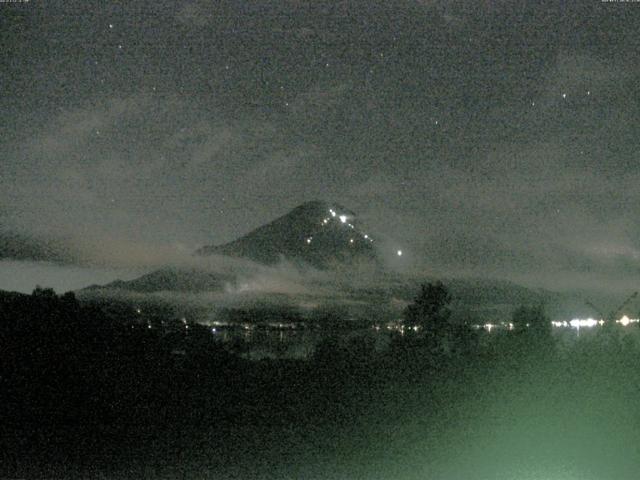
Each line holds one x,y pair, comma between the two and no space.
318,233
171,279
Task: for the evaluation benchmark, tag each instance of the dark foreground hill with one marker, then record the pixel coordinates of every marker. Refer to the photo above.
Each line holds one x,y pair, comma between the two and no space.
87,397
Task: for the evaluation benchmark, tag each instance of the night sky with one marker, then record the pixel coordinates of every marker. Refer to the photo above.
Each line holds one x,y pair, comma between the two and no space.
486,138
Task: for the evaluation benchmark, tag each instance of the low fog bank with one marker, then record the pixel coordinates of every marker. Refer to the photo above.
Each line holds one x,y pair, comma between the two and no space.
204,286
23,275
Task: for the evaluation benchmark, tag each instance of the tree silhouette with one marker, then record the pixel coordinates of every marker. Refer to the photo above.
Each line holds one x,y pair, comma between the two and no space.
429,310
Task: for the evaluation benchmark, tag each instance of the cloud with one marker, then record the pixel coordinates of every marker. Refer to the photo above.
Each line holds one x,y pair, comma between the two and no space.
514,180
24,276
140,178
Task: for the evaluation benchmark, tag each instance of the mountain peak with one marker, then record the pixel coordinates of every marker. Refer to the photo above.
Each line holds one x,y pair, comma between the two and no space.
319,233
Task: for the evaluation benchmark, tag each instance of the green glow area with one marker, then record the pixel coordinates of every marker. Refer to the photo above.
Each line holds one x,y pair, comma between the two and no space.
562,415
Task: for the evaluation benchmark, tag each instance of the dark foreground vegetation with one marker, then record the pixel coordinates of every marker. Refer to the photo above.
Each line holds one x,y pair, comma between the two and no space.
84,396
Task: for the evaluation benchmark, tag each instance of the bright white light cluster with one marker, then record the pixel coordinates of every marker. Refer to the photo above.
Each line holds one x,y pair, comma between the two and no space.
583,322
398,326
591,322
343,219
578,323
624,321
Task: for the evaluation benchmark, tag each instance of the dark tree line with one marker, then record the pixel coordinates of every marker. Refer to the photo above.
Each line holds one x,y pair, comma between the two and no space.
430,312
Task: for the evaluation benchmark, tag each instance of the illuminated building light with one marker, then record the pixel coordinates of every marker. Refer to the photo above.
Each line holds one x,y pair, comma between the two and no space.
624,321
213,330
138,310
343,218
583,322
309,240
366,236
333,214
149,326
351,240
399,253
